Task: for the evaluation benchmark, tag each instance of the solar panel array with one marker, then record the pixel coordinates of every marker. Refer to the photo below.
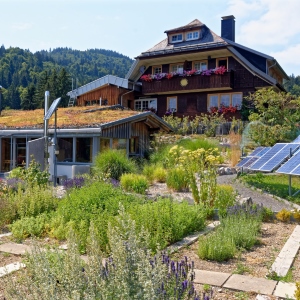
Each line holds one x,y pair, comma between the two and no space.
292,166
252,157
273,158
297,140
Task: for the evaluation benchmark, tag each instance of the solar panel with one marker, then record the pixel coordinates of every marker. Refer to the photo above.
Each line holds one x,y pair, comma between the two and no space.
52,109
279,158
267,156
250,162
297,140
263,151
290,165
296,171
243,162
256,151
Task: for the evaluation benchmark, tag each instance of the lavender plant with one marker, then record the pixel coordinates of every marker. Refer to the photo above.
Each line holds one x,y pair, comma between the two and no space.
76,182
130,272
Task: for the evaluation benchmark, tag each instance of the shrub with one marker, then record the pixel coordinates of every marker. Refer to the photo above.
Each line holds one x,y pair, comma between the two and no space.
129,273
177,180
30,226
32,175
296,214
197,143
134,183
225,197
283,215
148,171
236,231
160,174
113,163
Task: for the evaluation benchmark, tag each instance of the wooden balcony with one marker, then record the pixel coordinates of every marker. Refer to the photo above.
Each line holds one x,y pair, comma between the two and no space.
195,82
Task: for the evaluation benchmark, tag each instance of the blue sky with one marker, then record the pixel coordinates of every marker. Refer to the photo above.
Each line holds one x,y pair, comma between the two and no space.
133,26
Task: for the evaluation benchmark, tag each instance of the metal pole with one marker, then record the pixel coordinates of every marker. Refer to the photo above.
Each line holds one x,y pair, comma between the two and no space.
54,149
290,178
46,122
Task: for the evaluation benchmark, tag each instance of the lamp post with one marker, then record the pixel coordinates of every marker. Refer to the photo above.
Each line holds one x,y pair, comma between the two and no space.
0,98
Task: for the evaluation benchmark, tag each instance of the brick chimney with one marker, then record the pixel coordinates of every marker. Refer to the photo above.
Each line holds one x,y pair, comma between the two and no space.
228,28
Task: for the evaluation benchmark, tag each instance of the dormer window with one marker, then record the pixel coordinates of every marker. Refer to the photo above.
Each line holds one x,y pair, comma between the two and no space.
192,35
176,38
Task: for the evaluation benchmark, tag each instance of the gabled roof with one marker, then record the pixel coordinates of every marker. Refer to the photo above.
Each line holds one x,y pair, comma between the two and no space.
194,24
100,82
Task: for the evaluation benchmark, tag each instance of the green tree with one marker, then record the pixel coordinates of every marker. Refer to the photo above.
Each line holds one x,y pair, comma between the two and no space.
276,118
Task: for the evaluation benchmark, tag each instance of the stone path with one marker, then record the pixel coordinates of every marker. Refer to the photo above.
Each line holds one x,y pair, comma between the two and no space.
223,280
287,255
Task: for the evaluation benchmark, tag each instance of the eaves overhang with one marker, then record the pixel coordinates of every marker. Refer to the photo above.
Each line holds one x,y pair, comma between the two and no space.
250,67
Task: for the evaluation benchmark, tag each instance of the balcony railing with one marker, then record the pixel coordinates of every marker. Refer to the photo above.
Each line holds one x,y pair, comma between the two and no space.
194,82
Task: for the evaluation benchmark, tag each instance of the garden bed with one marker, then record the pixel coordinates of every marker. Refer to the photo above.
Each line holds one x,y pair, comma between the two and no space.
255,262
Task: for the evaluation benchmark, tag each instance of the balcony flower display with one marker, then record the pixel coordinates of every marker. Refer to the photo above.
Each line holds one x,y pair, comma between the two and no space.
150,77
223,109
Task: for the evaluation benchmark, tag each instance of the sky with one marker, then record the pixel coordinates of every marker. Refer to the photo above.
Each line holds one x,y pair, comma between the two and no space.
133,26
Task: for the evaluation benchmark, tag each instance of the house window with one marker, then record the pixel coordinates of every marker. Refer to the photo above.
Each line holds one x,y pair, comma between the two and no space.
176,38
178,68
172,104
104,144
156,69
119,144
226,99
65,147
222,62
200,65
146,104
84,150
192,35
134,145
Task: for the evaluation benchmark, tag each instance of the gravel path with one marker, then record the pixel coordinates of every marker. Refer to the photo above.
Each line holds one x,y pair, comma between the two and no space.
259,197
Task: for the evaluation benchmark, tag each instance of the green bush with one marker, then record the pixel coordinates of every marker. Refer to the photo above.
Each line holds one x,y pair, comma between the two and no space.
113,163
148,171
177,180
236,231
197,143
134,183
160,155
160,174
225,197
30,226
32,175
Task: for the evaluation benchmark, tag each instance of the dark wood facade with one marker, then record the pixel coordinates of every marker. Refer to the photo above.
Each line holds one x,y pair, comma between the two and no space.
192,99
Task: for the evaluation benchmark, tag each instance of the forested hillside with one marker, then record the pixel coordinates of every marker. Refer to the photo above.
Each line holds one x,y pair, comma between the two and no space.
293,85
25,76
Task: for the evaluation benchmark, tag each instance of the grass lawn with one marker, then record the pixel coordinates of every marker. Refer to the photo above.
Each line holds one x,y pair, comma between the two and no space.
275,184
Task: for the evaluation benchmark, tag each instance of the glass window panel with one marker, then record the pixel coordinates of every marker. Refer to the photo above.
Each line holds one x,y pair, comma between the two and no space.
172,104
119,144
65,147
237,100
153,104
225,100
213,101
203,66
222,62
104,144
195,34
5,157
84,149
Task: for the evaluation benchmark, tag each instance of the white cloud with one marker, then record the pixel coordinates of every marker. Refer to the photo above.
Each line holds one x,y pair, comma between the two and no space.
22,26
273,22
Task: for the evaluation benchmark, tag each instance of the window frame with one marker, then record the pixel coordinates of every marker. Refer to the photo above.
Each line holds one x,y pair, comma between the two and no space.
156,67
176,34
168,103
221,58
142,106
201,62
192,33
219,99
177,67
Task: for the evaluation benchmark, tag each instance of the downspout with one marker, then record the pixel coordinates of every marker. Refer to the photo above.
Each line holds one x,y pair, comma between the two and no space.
272,66
127,93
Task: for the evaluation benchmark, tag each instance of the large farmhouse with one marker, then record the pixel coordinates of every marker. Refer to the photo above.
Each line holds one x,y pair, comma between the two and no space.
192,71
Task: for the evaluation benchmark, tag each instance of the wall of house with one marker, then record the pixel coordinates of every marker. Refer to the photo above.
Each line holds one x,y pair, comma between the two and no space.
195,103
109,94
